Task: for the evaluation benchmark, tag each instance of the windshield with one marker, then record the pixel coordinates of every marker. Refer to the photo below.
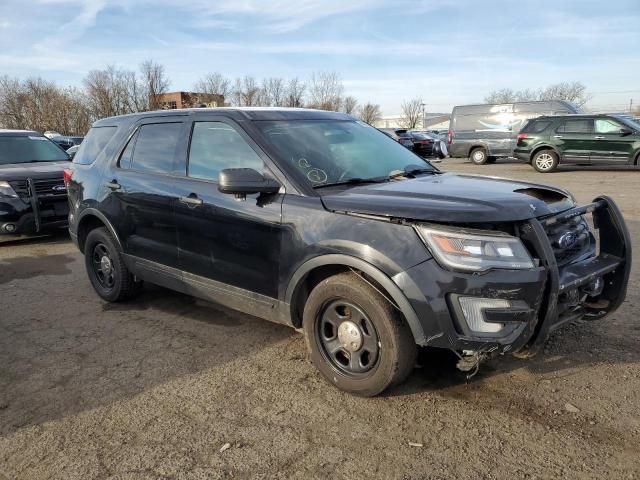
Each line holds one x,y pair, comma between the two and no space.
631,122
23,149
331,151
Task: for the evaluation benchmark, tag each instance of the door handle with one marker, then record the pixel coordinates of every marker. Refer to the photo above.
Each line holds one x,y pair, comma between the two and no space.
557,136
599,137
191,201
113,185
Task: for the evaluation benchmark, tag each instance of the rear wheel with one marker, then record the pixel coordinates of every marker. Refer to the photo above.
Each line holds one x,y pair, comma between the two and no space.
478,156
106,269
356,339
545,161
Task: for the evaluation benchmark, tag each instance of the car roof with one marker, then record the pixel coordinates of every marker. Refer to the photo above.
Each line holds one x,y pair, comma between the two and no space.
577,115
6,132
237,113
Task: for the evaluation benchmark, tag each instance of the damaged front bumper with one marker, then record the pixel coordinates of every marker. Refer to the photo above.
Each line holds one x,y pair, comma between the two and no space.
515,310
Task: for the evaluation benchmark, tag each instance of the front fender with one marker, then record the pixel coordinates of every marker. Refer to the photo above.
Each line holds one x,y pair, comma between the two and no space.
391,289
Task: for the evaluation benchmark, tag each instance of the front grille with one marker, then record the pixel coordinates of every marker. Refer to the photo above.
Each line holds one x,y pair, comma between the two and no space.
44,187
571,240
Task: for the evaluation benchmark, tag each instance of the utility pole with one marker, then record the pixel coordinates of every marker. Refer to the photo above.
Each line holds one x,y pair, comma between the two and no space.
631,105
424,116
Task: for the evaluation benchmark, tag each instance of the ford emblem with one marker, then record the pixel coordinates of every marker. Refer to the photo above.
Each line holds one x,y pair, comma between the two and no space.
567,240
59,188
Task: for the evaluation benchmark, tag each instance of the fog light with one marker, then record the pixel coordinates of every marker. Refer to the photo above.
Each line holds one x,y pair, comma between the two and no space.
473,310
9,227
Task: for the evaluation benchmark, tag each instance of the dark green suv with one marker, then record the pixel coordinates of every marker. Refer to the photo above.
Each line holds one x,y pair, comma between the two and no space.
545,142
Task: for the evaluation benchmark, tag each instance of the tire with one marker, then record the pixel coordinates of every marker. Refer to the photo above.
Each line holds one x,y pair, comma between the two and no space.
545,161
110,278
387,351
478,156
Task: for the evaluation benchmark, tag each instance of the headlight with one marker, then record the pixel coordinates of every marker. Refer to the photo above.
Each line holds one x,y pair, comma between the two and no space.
476,252
6,190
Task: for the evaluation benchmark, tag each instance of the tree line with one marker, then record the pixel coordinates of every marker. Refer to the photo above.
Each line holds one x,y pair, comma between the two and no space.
574,92
39,104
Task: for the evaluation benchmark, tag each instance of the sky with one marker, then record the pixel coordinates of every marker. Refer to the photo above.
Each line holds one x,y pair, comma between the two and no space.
447,52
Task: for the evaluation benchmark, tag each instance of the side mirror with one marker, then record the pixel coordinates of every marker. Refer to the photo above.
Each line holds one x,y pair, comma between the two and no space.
625,131
243,181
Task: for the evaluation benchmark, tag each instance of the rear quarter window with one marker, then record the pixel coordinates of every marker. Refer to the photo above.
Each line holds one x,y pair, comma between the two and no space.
93,144
536,126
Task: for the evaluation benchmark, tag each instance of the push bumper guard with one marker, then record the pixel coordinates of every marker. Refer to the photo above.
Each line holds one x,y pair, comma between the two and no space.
573,291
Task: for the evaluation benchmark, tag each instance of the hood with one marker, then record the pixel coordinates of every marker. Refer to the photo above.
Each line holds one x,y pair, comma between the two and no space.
453,198
22,171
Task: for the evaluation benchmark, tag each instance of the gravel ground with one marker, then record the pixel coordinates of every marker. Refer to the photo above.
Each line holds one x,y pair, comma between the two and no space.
158,387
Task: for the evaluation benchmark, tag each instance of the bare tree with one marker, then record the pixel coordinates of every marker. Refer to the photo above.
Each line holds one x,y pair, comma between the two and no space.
505,95
37,104
295,93
155,80
274,92
325,91
214,84
411,112
350,105
574,92
570,91
370,113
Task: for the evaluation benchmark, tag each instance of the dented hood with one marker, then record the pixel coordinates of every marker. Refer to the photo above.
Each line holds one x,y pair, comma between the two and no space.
448,197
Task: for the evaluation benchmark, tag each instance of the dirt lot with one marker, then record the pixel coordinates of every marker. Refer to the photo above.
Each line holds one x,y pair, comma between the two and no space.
155,387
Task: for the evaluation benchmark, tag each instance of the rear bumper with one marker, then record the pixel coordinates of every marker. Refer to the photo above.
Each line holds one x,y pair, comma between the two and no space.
522,155
32,214
538,300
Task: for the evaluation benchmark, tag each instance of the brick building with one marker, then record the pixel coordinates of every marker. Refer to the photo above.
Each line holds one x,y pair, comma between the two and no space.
173,100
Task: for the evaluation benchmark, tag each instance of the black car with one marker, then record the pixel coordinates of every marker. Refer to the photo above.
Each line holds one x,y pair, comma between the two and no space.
67,142
404,140
33,196
315,220
547,142
422,142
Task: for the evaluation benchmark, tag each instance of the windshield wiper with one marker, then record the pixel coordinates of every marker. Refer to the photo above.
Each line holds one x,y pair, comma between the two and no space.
352,181
411,171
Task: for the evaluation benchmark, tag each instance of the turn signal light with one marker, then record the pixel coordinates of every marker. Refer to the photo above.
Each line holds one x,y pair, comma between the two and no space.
67,174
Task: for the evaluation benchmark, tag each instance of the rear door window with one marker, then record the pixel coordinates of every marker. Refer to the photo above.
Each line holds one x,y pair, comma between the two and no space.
580,125
155,147
94,144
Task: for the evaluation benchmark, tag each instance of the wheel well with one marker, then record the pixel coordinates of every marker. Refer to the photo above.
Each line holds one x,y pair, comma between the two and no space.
542,147
313,278
475,147
88,223
637,159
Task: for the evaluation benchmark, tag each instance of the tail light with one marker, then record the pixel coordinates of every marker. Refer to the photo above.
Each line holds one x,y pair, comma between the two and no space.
450,137
521,136
67,174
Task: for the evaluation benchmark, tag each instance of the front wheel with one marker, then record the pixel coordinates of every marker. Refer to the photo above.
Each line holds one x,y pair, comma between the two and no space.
478,156
356,339
545,161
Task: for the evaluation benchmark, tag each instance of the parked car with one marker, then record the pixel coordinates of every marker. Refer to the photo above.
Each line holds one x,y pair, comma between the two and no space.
422,142
33,197
405,141
67,142
314,220
71,151
487,132
547,142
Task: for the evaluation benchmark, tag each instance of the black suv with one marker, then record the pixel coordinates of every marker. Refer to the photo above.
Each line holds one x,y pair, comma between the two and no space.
33,196
318,221
546,142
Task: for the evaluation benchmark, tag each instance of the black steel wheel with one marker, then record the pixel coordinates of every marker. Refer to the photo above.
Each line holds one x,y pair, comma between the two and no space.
347,337
103,267
356,338
106,269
